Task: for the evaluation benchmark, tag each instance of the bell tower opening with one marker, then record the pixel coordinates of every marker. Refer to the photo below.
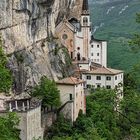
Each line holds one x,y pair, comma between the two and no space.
85,21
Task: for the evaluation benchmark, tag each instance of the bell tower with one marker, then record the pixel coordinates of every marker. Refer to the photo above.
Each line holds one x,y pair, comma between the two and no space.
86,26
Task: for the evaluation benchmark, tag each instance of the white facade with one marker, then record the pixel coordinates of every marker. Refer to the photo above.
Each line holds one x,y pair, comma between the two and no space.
105,81
82,39
98,52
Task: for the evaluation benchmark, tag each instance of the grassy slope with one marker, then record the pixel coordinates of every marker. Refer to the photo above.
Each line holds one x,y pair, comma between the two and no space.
117,30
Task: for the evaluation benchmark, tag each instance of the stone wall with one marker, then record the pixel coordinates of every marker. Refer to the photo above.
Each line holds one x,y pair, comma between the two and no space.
30,124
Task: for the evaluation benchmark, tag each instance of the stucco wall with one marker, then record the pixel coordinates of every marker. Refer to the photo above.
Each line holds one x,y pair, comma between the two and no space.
78,103
103,82
102,50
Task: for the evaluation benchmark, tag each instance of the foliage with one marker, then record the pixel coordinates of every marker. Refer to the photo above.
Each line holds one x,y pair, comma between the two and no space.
80,130
61,128
130,81
8,127
130,121
100,108
117,29
48,92
5,75
102,121
135,42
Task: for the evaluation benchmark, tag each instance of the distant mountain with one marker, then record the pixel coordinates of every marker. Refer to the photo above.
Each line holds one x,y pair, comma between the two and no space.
114,20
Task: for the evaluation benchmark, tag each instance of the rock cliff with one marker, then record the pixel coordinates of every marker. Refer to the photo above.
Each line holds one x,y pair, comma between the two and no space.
27,28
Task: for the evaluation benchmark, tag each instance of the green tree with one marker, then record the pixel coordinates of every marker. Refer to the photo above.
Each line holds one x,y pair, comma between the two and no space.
48,92
100,108
135,42
5,75
130,115
82,129
8,127
135,46
60,128
130,81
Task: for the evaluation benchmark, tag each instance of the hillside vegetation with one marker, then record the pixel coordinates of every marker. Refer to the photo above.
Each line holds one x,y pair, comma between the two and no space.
114,20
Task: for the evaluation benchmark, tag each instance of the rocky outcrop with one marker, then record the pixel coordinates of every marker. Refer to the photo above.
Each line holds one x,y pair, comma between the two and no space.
26,27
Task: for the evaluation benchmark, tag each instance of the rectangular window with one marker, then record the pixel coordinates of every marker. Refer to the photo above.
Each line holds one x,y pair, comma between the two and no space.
115,77
70,97
89,77
88,86
98,46
98,77
108,87
108,78
92,46
91,54
98,54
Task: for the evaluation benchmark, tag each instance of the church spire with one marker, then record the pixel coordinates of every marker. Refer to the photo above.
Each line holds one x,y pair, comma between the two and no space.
85,7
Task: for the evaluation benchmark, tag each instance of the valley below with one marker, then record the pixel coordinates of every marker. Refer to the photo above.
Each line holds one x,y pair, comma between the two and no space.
115,21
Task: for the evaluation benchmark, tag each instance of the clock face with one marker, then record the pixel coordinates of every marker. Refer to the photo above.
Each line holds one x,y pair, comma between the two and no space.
64,36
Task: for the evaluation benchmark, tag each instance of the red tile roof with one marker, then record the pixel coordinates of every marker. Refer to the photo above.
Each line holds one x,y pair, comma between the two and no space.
103,70
70,81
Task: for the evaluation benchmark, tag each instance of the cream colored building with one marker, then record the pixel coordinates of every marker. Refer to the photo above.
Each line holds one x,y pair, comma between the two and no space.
72,97
103,77
75,34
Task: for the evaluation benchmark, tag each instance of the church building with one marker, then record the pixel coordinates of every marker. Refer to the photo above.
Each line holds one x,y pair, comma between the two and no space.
75,34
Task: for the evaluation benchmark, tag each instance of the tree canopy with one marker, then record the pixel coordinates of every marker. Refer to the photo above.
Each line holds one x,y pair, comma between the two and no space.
47,91
8,127
135,42
102,121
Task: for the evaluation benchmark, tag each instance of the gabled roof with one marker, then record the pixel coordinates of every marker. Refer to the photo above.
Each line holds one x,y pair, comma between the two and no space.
66,23
104,71
70,81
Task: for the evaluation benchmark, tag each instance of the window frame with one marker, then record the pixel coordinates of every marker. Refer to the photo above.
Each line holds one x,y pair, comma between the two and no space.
88,76
97,78
108,78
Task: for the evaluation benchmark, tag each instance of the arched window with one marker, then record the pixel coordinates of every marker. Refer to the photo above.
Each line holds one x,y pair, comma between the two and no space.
85,21
78,56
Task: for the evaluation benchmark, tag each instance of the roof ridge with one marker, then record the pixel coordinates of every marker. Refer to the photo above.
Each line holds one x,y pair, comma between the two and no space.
108,70
72,79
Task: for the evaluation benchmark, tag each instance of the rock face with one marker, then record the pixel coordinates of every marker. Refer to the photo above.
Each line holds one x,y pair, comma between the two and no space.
27,28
